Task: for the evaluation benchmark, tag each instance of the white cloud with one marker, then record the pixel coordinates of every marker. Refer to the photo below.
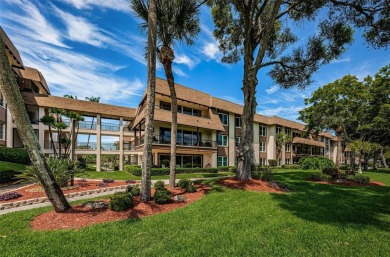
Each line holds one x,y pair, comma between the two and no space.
179,72
341,60
211,50
184,59
119,5
272,89
33,24
81,30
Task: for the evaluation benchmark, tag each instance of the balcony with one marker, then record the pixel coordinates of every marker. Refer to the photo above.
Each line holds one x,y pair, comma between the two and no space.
87,125
187,142
110,127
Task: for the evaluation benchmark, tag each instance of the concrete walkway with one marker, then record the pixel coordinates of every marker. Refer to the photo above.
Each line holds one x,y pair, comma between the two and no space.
87,196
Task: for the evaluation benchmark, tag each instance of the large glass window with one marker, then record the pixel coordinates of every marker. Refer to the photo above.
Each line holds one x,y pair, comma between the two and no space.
224,118
181,109
263,130
189,138
222,140
182,161
222,161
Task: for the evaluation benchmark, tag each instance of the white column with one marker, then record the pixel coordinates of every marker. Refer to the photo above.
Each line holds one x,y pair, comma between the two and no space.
10,135
214,159
256,142
232,139
98,143
271,147
41,127
121,155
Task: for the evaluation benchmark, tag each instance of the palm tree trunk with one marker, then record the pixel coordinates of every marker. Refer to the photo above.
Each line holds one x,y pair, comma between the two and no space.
167,62
10,90
52,141
150,101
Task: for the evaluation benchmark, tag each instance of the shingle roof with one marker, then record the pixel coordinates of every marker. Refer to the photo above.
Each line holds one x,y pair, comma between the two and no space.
305,141
11,48
86,107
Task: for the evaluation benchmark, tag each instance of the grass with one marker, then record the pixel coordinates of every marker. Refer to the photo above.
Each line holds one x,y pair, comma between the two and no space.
123,175
11,166
313,220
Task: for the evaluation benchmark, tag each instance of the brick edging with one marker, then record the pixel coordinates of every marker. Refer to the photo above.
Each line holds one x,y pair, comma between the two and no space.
38,200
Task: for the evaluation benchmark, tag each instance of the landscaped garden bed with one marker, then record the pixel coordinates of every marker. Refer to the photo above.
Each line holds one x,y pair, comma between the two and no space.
80,215
36,191
252,185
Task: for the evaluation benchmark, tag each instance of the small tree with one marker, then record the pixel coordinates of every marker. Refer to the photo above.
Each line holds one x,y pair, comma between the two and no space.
49,121
281,140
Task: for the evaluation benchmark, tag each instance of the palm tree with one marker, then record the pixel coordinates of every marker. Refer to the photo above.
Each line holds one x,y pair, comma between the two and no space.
59,125
281,140
11,93
176,21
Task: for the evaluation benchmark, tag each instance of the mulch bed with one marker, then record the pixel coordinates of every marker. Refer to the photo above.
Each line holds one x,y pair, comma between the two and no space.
350,183
79,216
252,185
36,191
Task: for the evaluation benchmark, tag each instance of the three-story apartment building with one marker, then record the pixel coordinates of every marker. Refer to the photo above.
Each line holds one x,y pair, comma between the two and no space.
209,128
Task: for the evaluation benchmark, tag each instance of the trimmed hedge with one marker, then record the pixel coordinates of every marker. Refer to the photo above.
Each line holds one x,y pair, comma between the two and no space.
291,166
333,172
360,179
227,168
121,201
272,162
317,176
6,175
16,155
165,171
315,163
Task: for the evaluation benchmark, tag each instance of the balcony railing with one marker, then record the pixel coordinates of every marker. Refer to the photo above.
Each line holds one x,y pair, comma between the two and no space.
110,127
128,146
193,142
48,144
87,125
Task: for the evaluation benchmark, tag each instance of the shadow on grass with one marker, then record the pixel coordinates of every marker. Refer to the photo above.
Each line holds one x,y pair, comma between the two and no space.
335,204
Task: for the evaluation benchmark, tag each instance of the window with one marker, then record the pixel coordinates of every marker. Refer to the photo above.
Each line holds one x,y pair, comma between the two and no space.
2,102
181,109
296,134
238,141
263,131
278,130
183,161
165,106
288,148
2,131
222,140
288,131
262,147
262,162
224,118
187,110
238,122
222,161
188,138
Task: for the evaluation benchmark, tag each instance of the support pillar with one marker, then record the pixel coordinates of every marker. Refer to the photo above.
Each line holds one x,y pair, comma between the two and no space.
98,143
121,154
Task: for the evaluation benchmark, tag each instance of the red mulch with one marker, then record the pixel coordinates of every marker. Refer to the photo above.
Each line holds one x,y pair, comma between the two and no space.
253,185
79,216
84,186
350,183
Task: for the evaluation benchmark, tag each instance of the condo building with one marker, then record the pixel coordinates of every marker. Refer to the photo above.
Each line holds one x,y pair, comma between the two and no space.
209,128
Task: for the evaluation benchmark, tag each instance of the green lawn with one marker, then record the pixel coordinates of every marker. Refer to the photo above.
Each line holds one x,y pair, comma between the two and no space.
123,175
11,166
313,220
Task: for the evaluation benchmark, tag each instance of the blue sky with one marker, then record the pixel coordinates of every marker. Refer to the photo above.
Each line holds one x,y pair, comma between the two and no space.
95,48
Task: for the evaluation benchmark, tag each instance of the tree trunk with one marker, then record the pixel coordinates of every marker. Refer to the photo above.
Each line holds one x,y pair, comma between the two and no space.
366,157
10,90
338,152
375,160
52,141
166,57
353,162
360,163
245,151
383,159
150,101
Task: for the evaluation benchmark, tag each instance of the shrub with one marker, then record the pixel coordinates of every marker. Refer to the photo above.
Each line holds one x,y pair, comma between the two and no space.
136,191
317,176
272,162
162,195
107,180
16,155
81,163
291,166
360,179
264,174
225,168
6,175
187,185
159,185
183,183
9,196
121,201
344,167
315,163
333,172
63,169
